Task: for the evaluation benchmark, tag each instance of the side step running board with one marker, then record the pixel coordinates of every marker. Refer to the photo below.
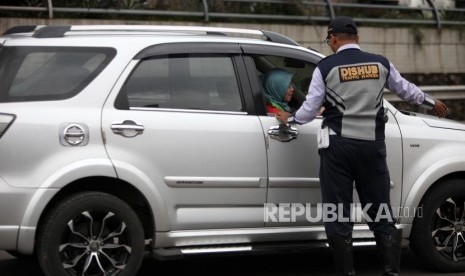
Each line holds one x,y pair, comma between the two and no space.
177,253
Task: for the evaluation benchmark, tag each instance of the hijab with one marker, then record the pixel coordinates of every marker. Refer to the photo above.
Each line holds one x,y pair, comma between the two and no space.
275,84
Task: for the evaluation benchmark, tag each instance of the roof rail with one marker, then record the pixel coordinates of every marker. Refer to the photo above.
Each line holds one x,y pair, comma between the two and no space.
60,31
20,29
51,31
278,38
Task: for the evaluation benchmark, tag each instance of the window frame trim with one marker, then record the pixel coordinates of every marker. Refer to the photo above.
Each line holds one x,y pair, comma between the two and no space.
186,110
226,49
174,48
256,49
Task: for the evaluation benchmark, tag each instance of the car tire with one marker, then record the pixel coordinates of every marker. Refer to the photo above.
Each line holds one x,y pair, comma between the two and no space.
91,233
438,232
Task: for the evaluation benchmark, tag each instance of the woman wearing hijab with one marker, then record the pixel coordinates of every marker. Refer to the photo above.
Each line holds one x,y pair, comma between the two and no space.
277,84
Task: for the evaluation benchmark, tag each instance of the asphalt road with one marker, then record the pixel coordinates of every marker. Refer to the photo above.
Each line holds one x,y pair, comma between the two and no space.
292,264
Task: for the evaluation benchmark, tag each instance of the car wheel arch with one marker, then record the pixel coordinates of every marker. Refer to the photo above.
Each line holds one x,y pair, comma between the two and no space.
447,168
436,231
113,186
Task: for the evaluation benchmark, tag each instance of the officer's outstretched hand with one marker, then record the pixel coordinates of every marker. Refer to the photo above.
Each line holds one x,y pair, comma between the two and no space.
440,109
282,116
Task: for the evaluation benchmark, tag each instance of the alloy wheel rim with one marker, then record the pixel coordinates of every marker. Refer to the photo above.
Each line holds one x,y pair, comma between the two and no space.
94,244
448,229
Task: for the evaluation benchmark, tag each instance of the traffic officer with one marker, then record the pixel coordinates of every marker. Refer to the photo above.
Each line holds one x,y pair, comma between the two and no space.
349,84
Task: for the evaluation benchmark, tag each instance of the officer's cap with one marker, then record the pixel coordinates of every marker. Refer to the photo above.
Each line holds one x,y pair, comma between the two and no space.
342,25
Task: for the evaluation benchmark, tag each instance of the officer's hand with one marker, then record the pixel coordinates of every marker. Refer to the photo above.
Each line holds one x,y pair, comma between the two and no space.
440,109
283,116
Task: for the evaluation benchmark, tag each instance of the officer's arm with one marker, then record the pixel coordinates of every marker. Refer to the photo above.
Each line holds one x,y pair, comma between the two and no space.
438,107
313,101
411,93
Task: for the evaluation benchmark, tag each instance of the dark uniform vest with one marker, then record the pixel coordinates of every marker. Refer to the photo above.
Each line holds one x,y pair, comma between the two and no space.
354,83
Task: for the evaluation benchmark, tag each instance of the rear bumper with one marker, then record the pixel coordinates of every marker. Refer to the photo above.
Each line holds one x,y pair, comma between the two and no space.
8,237
20,213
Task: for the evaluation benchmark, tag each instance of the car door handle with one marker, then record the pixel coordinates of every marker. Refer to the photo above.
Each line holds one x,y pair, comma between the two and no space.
283,133
127,128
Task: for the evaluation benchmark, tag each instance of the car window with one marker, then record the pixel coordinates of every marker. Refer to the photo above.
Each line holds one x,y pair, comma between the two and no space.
48,73
302,73
199,82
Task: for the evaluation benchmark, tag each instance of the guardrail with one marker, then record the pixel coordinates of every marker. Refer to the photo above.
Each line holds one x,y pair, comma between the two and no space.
303,11
443,92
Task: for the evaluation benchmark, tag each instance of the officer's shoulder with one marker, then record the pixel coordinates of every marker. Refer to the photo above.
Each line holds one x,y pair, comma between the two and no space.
378,56
325,59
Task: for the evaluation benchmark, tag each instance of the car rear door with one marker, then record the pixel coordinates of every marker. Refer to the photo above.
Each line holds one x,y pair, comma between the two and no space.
181,121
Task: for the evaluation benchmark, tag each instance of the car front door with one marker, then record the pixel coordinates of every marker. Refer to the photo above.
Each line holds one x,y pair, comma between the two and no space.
294,196
180,121
293,164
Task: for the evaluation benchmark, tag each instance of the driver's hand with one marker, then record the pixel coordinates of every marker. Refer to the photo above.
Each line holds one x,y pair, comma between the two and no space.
440,109
282,116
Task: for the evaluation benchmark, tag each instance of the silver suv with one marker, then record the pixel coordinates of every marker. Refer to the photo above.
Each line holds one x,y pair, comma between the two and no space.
118,140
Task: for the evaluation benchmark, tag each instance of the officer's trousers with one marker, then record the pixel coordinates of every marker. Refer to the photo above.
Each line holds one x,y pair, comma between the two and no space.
343,162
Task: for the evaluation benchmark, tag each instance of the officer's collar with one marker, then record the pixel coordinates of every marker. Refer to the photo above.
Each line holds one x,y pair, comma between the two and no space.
348,46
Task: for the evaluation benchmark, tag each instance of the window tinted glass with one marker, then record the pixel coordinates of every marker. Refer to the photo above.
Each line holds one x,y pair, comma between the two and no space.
48,73
302,73
184,82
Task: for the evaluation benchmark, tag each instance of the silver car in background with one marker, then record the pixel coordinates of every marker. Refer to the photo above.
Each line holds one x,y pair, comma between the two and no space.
117,140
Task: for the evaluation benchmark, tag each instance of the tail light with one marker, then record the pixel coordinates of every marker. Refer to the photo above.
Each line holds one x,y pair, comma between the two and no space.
5,121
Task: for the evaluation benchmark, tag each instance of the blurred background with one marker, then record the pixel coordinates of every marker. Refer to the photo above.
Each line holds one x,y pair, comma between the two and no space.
423,38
